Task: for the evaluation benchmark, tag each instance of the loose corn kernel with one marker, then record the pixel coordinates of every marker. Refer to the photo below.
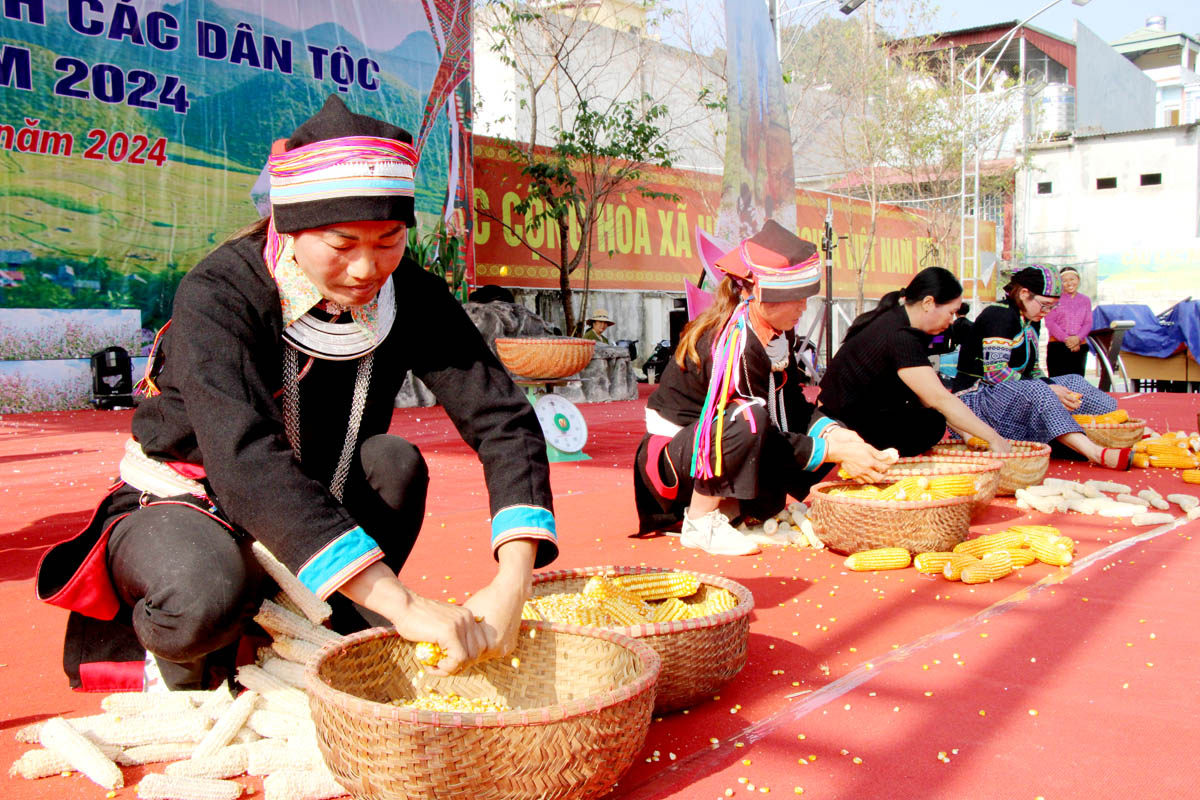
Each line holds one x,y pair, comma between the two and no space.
436,701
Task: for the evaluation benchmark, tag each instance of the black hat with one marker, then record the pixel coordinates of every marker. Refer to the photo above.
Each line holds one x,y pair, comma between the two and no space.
786,266
371,182
1040,280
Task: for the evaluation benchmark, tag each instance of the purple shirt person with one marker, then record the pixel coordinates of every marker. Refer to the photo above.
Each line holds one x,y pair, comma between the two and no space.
1069,325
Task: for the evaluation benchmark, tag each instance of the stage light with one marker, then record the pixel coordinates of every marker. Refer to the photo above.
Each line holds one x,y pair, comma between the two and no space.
850,5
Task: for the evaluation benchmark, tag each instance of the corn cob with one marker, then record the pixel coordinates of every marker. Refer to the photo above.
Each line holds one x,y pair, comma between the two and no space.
271,724
429,653
154,753
671,609
31,733
599,587
42,763
1085,419
311,606
954,485
312,784
1140,460
659,585
1055,552
1163,447
1185,501
155,786
1113,417
710,600
259,680
570,609
1190,475
1154,498
975,443
880,558
296,650
1107,486
992,566
1133,499
1112,508
228,762
1021,556
272,755
958,562
1151,518
287,671
991,542
224,729
129,703
1182,461
82,753
278,620
931,563
1046,505
620,612
190,726
286,701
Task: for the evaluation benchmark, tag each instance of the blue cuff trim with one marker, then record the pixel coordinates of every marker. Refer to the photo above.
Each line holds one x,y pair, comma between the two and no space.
338,561
520,522
818,455
820,425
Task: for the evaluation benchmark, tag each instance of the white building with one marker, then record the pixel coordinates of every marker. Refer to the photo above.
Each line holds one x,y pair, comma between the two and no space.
1171,60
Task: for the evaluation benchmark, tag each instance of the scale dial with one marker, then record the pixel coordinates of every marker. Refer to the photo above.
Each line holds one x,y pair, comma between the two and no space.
562,424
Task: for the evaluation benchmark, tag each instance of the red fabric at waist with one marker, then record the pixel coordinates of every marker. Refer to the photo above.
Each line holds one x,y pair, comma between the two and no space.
653,451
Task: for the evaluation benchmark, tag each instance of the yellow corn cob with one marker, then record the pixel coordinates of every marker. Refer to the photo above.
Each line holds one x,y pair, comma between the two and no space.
436,701
292,649
881,558
953,485
155,786
571,609
1141,460
1190,475
1118,416
227,726
992,566
42,763
154,753
308,784
429,653
278,620
659,585
991,542
311,606
931,563
1053,551
710,600
82,753
1084,419
1030,532
228,762
621,613
958,562
671,609
599,587
1166,447
1021,557
1182,461
975,443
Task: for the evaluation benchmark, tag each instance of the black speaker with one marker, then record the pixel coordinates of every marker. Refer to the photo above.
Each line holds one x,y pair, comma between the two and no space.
112,378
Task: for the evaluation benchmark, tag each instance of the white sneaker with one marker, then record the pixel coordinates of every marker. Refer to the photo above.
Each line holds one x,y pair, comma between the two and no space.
713,534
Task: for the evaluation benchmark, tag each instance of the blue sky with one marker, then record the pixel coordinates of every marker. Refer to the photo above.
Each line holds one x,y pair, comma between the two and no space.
1109,19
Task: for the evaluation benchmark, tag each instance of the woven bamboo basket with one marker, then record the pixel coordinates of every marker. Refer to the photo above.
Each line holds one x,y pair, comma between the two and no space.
1116,434
849,524
987,475
582,700
546,358
1026,465
698,655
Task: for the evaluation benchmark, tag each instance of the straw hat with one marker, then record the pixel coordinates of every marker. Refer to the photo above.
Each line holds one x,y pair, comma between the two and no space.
600,315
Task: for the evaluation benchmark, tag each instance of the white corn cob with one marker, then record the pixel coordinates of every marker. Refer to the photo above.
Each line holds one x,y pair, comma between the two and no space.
32,733
1133,499
1085,505
313,607
293,784
806,527
276,725
41,763
82,753
155,786
1046,505
129,703
286,701
267,756
245,735
1154,498
228,762
256,678
1151,518
154,753
227,726
278,620
1108,486
1185,501
287,671
1045,490
770,526
1114,509
296,650
1088,491
142,729
1061,484
218,700
1193,512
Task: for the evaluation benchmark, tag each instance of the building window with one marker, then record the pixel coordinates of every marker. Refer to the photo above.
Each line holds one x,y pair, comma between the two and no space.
1045,187
1151,179
1106,183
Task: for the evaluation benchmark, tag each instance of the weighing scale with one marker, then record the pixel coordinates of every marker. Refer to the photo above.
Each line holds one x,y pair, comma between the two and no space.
563,426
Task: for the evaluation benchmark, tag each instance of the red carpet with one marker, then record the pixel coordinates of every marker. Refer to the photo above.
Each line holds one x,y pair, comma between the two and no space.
1072,683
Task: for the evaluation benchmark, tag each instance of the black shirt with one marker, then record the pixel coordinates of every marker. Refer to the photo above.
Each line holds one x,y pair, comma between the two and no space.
862,381
1002,346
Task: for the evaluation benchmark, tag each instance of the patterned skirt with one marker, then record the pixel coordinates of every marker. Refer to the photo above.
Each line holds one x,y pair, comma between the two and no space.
1030,411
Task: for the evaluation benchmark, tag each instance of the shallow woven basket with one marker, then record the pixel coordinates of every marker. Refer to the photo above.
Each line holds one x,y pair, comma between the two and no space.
987,474
849,524
1025,466
698,655
583,700
545,358
1116,434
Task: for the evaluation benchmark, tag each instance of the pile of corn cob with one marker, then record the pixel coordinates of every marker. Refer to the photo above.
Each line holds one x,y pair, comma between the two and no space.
622,600
789,526
1172,450
980,560
1117,417
1055,495
912,488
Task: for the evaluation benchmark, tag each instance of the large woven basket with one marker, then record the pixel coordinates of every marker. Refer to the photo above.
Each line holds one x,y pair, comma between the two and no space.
545,358
1026,465
699,656
1116,434
987,475
848,524
582,697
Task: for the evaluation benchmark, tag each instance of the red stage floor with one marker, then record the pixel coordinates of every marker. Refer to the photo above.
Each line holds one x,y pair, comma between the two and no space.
1050,683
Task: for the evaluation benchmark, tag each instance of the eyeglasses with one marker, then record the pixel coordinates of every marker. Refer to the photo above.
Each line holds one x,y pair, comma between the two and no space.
1046,305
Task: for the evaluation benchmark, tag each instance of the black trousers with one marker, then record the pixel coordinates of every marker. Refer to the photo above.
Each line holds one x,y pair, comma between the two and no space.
911,429
1061,361
191,585
759,468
